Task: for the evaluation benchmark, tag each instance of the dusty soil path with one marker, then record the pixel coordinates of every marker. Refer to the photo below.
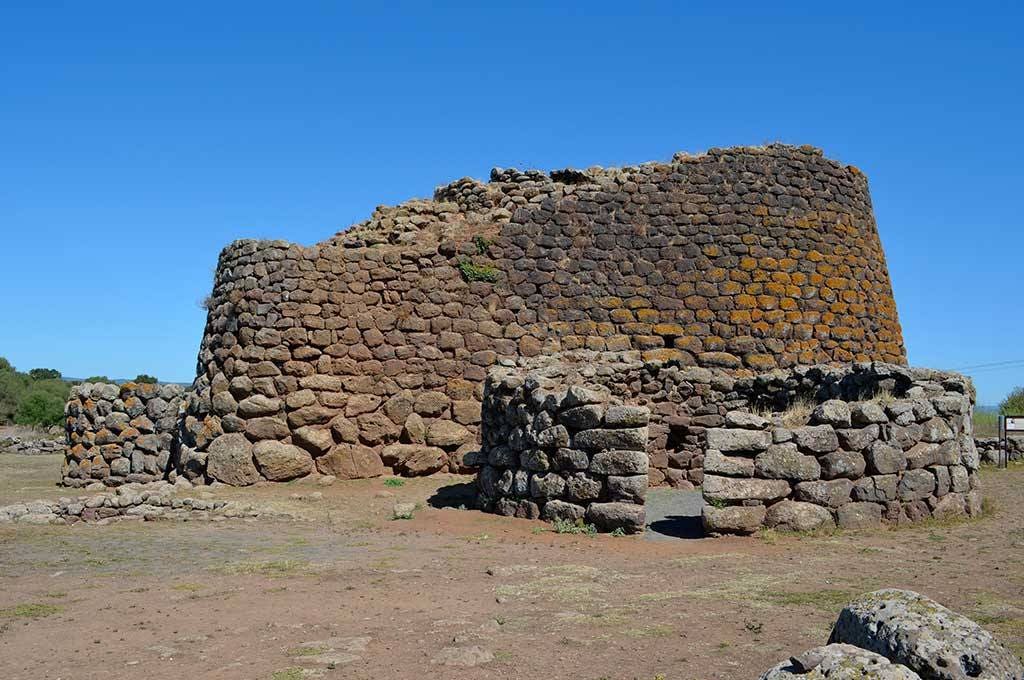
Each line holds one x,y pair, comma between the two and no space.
349,593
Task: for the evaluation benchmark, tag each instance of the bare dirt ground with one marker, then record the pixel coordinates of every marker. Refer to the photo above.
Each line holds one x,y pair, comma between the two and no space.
347,592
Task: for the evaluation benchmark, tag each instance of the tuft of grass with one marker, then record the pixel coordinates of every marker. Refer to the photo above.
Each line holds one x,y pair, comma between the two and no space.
798,413
564,526
292,673
270,568
308,650
477,272
483,244
394,482
33,610
827,599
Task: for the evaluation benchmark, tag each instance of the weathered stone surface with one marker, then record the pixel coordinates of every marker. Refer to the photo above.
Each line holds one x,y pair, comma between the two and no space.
582,417
414,459
839,662
266,428
315,440
739,489
582,487
833,412
784,461
745,420
546,485
619,463
884,459
858,439
867,413
280,462
933,641
611,516
916,485
831,494
258,405
796,516
627,416
715,463
875,489
229,460
560,510
350,461
447,434
849,464
816,438
738,441
603,439
859,515
734,519
631,489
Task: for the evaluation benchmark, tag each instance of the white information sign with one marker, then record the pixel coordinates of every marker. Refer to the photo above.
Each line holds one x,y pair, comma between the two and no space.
1014,423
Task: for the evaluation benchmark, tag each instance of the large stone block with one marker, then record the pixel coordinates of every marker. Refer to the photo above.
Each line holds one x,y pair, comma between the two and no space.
229,460
280,462
738,441
734,519
936,643
796,516
839,662
740,489
350,461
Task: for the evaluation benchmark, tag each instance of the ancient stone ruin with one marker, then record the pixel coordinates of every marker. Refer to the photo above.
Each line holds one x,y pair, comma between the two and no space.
667,287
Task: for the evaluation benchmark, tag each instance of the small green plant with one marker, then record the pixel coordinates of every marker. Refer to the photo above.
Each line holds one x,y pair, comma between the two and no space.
394,482
618,533
29,611
477,272
566,526
482,243
288,674
717,502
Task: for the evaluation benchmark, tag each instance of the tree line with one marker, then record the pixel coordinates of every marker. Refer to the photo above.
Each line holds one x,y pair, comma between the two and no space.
37,397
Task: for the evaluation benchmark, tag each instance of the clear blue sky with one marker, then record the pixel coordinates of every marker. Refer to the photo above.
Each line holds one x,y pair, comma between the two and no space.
137,139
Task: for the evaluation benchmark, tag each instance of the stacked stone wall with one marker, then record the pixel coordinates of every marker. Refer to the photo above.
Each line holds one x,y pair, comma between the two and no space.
853,460
740,259
562,452
120,433
993,451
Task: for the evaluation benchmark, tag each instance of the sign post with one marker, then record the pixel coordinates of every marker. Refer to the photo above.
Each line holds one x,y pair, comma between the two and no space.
1008,424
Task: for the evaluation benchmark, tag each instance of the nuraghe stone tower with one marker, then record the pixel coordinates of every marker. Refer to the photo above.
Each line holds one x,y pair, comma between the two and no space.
368,352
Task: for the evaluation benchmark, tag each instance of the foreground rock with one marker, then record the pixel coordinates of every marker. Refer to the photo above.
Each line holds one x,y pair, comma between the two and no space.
913,630
840,662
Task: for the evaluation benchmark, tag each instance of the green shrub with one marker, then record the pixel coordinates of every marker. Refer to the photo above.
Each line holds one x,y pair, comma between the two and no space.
483,244
98,379
33,398
41,407
565,526
144,378
477,272
1014,403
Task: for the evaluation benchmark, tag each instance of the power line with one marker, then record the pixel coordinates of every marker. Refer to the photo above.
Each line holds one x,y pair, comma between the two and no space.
995,364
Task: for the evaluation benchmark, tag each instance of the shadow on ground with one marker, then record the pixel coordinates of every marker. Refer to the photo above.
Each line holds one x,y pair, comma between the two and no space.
673,514
461,495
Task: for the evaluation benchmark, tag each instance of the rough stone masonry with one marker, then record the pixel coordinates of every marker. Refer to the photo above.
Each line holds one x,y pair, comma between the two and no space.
367,352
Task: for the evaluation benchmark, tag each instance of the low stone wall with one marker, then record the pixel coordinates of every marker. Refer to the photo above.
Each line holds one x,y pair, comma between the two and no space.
120,433
23,446
157,500
989,448
562,451
905,455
